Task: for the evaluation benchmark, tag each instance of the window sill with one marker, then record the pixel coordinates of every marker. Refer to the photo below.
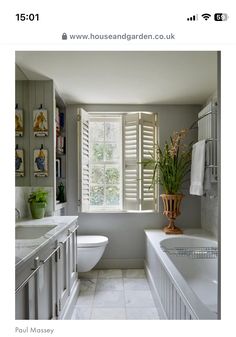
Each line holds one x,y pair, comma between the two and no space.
119,212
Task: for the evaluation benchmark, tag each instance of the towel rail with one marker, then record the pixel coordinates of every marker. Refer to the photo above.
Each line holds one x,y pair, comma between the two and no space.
207,130
211,140
201,117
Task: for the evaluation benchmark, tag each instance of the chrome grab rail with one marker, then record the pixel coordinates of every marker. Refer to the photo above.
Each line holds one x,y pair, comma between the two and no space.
52,253
69,234
37,267
38,263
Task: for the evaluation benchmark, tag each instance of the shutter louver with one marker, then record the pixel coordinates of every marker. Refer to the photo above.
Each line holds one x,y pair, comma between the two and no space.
83,122
148,141
131,158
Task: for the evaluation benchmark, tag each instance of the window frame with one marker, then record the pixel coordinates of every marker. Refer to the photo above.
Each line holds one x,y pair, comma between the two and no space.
111,115
104,163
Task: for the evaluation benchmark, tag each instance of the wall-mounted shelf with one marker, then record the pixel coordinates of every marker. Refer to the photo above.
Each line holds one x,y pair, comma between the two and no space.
60,150
60,205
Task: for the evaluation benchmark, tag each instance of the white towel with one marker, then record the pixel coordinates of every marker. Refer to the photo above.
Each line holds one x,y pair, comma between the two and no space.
197,168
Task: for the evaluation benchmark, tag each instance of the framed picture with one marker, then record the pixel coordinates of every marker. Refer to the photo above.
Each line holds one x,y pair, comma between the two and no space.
19,163
40,118
40,162
19,122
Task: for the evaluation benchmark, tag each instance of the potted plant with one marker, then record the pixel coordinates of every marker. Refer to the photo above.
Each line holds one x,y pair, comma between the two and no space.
38,201
170,166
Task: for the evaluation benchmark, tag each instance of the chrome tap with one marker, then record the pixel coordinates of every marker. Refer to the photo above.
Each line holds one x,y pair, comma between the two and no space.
17,213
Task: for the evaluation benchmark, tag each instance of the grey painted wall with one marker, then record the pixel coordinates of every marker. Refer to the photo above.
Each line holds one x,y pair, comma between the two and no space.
21,200
29,96
210,211
126,230
22,100
42,92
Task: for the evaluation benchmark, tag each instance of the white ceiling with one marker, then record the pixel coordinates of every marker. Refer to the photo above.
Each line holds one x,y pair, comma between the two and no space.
127,77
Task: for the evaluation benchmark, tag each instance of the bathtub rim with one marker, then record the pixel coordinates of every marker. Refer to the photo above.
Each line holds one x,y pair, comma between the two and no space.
191,300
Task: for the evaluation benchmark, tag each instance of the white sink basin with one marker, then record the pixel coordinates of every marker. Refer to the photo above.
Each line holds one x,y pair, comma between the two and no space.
32,232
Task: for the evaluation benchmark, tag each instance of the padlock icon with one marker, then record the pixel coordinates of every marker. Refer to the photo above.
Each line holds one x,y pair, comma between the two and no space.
64,36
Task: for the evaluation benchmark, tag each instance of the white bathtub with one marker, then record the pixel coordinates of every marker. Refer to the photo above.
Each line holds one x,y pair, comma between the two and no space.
185,287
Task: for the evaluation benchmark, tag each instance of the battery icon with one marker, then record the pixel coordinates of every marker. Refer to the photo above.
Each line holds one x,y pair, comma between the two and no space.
221,17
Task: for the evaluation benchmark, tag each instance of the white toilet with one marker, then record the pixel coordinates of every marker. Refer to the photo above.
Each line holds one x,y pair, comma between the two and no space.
90,249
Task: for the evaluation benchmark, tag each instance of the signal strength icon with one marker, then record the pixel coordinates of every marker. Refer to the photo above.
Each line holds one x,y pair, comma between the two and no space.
193,18
206,16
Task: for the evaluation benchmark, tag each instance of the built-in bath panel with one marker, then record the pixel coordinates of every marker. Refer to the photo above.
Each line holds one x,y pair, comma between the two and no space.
179,292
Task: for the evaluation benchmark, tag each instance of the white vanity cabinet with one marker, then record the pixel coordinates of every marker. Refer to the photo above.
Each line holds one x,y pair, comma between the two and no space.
36,286
47,284
67,275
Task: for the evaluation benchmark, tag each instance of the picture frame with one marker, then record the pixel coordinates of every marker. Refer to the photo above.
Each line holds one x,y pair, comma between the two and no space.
41,162
40,122
19,123
19,163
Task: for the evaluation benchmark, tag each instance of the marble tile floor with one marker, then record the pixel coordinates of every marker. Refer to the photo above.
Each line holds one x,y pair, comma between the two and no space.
114,294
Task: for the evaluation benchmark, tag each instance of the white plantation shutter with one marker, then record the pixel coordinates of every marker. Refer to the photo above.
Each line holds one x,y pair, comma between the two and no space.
148,141
83,141
139,135
131,158
139,144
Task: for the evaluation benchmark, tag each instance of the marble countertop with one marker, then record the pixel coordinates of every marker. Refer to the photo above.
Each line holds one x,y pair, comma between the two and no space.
25,249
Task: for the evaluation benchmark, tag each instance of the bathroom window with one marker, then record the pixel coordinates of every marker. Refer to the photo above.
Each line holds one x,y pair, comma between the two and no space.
105,163
111,148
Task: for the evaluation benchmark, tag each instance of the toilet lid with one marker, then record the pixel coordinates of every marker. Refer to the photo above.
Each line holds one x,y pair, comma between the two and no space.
91,240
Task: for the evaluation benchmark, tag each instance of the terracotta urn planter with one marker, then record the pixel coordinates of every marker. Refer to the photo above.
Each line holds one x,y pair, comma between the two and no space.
171,211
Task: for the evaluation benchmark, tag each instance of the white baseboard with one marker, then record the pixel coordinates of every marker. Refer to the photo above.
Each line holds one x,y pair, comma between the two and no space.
120,264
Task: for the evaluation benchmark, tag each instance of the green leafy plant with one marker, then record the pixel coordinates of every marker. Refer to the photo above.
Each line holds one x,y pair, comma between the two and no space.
171,164
39,196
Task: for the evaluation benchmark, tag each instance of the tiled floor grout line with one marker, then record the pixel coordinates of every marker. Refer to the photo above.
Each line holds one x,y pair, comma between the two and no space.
123,274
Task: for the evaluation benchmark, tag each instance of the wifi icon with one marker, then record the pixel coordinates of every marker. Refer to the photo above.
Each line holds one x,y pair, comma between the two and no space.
206,16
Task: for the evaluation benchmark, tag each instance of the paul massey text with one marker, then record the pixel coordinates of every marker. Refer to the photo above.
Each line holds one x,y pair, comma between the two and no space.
31,329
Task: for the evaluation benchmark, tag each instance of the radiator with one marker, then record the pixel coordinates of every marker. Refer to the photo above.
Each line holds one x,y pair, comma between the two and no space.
207,129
